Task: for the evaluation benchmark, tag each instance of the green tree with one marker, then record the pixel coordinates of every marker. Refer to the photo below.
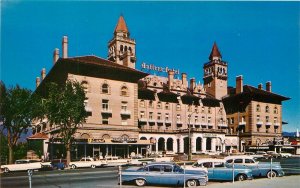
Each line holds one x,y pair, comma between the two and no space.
64,106
16,106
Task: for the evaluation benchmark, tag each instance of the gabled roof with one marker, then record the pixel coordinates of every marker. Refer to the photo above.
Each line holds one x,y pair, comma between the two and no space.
251,93
215,52
38,136
121,25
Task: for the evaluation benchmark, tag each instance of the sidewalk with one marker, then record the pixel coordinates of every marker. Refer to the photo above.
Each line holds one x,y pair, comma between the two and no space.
278,182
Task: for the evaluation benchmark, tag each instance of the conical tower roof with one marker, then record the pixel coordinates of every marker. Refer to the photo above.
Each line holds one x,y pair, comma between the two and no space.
121,25
215,52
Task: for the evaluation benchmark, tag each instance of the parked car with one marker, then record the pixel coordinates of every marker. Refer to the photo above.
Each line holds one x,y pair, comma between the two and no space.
164,173
87,162
271,154
116,161
25,164
285,155
259,169
218,170
139,160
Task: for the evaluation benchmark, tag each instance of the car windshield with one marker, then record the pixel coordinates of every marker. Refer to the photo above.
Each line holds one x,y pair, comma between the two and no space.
177,168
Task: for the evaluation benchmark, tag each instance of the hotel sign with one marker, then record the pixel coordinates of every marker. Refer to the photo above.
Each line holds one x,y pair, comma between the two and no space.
124,140
158,69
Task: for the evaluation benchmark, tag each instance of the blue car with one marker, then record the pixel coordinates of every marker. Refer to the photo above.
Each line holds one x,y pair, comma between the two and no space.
218,170
259,169
164,173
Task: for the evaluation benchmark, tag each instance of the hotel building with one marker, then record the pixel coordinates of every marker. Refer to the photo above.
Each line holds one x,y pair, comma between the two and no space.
132,112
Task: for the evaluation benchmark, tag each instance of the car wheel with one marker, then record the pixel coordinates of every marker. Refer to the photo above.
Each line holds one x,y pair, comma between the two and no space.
240,177
272,174
6,170
73,166
191,183
93,166
140,182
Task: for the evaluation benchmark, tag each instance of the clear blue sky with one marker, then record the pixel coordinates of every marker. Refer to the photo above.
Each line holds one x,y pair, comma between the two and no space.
259,40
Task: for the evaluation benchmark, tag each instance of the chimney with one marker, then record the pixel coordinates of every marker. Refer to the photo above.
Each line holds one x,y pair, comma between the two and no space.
170,78
37,82
43,73
184,80
260,86
65,47
192,84
239,84
55,55
269,86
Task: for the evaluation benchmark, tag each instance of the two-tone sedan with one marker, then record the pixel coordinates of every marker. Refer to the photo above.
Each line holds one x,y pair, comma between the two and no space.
218,170
164,173
259,169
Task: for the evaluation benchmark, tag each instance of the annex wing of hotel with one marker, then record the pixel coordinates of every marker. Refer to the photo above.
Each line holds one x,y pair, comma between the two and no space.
131,112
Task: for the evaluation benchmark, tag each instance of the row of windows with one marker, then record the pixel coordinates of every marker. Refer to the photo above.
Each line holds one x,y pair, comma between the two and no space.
105,89
267,118
267,109
178,117
159,105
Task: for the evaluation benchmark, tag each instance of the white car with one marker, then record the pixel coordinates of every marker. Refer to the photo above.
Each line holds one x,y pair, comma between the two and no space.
86,162
285,155
24,164
116,161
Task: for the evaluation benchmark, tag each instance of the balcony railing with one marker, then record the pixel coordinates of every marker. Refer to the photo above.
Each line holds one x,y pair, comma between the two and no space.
259,122
144,120
106,111
276,124
268,123
159,121
168,121
151,120
126,112
242,123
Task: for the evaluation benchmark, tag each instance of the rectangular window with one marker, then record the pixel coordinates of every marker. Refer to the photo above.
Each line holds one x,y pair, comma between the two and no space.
167,106
159,116
178,108
159,105
275,119
151,104
150,115
203,119
190,108
142,103
267,119
167,117
105,105
178,118
258,118
196,119
232,120
124,106
104,119
202,109
209,120
142,114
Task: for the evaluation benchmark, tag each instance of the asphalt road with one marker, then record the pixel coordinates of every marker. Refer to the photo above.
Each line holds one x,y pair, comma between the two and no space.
81,178
108,177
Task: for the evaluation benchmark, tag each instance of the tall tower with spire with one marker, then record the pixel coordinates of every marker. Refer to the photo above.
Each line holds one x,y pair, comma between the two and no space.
121,49
215,74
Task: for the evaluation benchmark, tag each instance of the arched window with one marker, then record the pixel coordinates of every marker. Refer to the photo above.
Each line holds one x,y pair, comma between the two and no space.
258,108
125,49
199,144
121,48
275,110
124,91
105,88
85,86
161,144
267,109
169,144
130,50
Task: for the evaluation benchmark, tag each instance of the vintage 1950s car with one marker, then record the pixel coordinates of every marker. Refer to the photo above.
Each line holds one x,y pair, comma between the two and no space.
25,164
87,162
218,170
259,169
164,173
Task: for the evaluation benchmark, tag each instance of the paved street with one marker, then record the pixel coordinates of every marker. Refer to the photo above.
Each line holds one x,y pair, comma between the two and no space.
108,178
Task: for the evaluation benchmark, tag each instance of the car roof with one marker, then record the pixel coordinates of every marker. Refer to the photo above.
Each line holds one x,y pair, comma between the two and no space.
238,156
210,160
